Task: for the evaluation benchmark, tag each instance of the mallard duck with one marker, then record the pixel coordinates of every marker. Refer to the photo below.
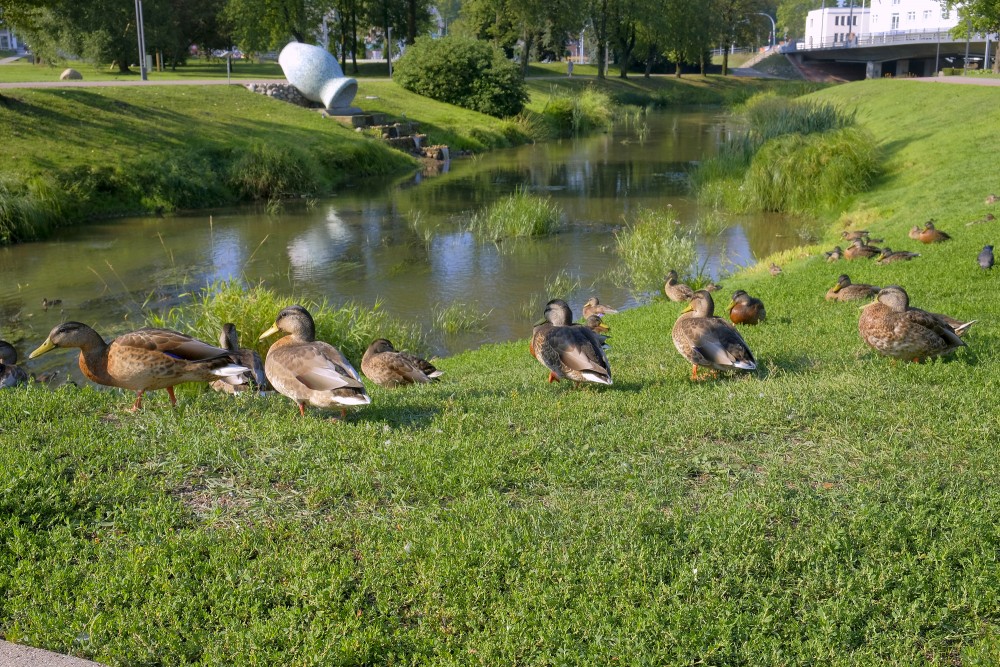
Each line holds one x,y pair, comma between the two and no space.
834,255
594,307
568,350
11,375
985,257
676,291
597,325
992,199
706,340
887,256
860,250
386,367
892,328
307,370
856,234
145,359
712,287
774,269
931,234
914,233
229,340
845,290
50,303
745,309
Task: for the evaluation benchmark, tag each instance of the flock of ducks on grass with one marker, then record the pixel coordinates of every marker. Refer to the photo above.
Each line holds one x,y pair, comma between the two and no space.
313,372
306,370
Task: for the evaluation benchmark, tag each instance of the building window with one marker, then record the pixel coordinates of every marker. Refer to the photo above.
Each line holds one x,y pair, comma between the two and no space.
894,22
945,13
927,14
855,22
895,2
911,16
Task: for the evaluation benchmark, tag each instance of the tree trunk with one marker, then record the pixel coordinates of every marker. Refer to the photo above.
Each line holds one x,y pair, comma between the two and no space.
411,21
354,37
388,49
650,58
996,59
725,61
528,37
677,69
701,62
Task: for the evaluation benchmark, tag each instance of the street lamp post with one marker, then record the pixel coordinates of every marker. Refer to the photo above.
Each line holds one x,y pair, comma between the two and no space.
773,26
141,33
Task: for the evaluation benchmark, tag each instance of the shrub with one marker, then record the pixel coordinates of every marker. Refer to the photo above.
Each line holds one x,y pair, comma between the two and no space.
465,72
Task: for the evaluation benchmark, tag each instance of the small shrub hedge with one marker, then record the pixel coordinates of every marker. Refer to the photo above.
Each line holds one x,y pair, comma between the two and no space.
465,72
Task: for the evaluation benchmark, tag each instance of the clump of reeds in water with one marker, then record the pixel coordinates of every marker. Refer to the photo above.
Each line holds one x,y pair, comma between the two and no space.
349,326
568,115
269,172
29,208
458,317
517,216
650,245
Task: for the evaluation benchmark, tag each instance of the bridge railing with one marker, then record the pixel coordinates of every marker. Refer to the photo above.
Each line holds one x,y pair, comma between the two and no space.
892,37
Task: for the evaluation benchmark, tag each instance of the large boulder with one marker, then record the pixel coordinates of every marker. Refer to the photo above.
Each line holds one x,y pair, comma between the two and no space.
70,74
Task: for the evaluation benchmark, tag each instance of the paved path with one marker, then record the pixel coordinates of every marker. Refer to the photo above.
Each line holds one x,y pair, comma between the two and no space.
137,82
968,80
16,655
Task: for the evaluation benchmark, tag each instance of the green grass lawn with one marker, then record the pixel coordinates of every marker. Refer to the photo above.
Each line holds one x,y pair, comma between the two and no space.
832,508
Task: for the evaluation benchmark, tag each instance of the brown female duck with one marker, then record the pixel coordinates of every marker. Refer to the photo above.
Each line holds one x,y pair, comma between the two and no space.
568,350
145,359
307,370
860,250
11,375
845,290
594,307
745,309
892,328
706,340
675,290
888,256
932,234
387,367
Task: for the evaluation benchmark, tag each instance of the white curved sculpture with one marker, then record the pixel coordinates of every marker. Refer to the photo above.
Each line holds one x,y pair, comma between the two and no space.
317,75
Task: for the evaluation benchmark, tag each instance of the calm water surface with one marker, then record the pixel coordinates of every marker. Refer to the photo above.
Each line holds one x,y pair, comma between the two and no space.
403,244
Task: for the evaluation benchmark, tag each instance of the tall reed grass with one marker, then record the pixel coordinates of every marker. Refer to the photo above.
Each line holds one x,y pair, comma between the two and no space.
793,156
649,246
519,215
30,208
568,115
351,327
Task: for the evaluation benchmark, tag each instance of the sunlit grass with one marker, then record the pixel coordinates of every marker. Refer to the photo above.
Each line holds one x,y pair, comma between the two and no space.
457,317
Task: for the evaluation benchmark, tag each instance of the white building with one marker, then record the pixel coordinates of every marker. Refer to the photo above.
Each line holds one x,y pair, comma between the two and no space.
8,40
892,16
835,26
874,20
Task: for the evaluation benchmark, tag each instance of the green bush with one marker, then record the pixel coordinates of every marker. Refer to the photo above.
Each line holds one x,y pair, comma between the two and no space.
464,72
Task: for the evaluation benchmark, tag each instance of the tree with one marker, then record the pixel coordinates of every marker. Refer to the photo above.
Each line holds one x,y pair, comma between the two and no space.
732,21
260,25
792,14
980,15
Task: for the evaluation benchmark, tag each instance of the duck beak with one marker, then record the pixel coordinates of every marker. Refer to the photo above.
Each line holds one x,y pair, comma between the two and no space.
270,332
42,349
836,288
540,322
688,308
732,304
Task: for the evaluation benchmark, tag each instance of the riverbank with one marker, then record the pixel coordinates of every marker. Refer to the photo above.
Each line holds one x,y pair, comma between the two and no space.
832,507
78,153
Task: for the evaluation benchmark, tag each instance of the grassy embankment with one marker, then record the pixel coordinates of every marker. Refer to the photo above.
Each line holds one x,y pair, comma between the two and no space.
831,508
77,153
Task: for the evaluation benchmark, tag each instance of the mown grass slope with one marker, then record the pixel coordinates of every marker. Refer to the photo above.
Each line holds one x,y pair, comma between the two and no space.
831,508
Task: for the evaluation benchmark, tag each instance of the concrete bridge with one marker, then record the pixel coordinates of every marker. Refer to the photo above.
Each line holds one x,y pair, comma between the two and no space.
898,54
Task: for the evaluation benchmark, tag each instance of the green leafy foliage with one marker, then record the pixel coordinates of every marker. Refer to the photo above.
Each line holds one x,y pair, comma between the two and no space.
466,72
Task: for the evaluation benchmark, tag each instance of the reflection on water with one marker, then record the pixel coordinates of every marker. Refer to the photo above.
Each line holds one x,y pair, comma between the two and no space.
369,244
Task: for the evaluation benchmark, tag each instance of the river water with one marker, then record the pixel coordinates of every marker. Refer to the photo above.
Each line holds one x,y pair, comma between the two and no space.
403,243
